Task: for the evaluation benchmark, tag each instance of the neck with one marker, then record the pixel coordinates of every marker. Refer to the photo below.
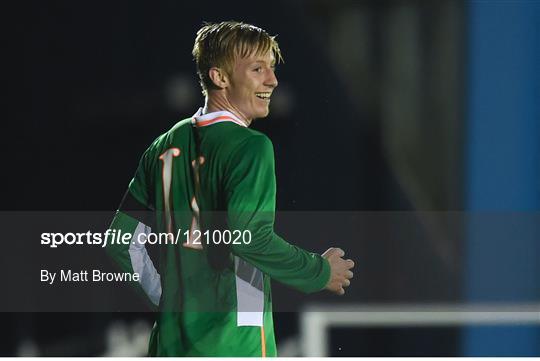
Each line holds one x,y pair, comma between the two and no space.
218,102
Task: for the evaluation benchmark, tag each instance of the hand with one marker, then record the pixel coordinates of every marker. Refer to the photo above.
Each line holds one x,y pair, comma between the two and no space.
340,270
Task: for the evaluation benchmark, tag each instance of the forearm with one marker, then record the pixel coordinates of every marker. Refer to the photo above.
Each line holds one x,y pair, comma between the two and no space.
284,262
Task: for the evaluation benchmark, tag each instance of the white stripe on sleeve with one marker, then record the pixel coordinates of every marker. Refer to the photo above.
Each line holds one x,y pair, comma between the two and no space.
142,264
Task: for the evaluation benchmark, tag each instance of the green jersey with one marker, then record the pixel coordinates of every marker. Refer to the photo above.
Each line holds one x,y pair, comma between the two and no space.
210,173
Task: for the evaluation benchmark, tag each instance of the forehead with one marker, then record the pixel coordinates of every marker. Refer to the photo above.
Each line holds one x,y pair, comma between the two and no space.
267,58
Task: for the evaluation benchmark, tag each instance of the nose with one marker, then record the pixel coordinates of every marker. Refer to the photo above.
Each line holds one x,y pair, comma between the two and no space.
271,80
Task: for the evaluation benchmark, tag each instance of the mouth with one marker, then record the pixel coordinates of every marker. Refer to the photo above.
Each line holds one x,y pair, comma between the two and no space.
263,95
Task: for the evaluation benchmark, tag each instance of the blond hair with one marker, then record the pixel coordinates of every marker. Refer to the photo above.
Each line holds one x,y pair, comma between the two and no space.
219,44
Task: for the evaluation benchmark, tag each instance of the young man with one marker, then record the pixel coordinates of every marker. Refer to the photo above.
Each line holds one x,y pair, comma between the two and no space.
211,173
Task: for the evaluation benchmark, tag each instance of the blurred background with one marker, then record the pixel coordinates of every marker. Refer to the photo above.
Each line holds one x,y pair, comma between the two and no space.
429,109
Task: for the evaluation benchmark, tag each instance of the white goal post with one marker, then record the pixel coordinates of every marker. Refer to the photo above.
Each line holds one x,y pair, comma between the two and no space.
316,319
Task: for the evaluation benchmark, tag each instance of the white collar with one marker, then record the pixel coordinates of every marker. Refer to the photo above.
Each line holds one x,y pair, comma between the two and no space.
202,120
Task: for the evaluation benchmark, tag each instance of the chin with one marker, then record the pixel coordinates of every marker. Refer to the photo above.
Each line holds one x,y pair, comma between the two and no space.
262,114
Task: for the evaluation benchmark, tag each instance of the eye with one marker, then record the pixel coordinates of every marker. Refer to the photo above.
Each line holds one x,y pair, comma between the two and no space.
258,69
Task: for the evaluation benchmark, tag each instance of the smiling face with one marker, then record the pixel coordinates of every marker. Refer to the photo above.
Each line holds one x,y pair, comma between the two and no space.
251,82
235,63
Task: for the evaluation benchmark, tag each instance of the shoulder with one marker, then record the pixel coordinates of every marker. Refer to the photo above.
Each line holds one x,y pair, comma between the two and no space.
228,138
245,137
174,137
234,138
253,148
256,141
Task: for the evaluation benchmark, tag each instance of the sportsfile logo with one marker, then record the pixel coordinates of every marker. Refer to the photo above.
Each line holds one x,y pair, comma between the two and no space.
110,236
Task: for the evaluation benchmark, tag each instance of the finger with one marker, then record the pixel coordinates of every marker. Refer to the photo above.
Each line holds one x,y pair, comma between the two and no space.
349,274
350,263
346,283
340,291
327,252
339,252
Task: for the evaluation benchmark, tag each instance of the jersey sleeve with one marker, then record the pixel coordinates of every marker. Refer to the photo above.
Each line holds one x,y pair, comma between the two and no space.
250,188
140,184
134,216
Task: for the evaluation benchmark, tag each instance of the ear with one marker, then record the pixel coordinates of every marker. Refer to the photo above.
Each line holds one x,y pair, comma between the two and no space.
218,77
